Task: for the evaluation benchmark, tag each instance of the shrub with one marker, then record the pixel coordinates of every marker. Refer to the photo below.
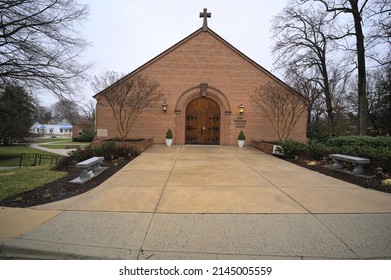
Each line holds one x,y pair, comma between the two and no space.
292,148
370,141
169,134
317,150
87,136
75,157
241,136
107,150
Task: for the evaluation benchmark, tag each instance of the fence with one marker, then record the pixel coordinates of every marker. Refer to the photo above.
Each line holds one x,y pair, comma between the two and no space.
38,159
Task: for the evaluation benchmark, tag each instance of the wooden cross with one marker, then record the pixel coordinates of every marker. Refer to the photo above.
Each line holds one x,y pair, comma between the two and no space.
205,15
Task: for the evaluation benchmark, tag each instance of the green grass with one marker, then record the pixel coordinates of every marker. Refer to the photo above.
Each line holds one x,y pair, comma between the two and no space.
9,155
18,180
52,140
63,144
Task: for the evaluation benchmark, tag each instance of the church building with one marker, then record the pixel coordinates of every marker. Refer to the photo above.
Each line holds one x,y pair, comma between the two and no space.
207,84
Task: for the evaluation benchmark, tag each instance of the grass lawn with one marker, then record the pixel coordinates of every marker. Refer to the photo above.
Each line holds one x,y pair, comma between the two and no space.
9,155
19,180
58,143
52,140
61,145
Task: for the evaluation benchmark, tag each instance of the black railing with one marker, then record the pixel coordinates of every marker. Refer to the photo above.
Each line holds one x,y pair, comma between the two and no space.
32,159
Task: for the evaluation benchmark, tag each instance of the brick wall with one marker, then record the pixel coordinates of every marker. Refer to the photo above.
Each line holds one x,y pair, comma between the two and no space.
203,57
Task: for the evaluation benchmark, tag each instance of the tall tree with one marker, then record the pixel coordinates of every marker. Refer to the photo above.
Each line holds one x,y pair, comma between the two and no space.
16,114
66,109
356,9
42,114
302,37
39,44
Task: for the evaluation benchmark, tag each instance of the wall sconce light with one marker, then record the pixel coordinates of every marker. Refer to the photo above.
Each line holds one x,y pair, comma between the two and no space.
241,108
164,106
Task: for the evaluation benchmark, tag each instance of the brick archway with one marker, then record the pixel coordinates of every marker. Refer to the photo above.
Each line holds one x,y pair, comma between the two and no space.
205,91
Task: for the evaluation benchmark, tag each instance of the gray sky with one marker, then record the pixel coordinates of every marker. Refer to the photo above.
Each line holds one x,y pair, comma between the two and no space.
125,34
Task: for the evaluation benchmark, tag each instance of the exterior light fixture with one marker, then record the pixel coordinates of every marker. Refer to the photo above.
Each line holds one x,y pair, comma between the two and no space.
241,108
164,106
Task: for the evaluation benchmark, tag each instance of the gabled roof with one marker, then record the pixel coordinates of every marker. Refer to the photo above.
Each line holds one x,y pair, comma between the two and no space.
194,34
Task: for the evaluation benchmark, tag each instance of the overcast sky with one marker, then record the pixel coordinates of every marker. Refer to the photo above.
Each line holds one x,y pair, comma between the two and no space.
125,34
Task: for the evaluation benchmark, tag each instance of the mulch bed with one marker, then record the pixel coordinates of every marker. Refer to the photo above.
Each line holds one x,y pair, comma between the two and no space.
369,183
61,188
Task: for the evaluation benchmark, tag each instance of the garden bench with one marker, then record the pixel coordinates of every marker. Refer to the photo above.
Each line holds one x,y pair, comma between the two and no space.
90,168
357,161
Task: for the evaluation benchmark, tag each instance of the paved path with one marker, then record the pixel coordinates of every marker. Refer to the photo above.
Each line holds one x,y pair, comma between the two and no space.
62,152
206,202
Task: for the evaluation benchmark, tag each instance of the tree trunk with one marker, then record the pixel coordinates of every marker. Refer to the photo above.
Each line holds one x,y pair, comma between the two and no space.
328,98
362,79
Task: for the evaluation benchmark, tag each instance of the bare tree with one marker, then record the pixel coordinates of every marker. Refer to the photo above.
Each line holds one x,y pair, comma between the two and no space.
88,112
282,107
303,44
128,98
39,44
356,9
66,109
104,80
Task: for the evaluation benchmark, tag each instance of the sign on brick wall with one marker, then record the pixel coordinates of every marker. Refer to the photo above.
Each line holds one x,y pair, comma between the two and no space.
240,122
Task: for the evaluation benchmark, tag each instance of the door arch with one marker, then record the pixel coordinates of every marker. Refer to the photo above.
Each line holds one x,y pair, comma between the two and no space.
203,118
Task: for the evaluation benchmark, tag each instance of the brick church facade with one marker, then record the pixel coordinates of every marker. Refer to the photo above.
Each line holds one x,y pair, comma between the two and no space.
206,83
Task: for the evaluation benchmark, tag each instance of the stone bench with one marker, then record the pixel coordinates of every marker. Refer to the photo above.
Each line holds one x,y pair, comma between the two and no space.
357,161
89,169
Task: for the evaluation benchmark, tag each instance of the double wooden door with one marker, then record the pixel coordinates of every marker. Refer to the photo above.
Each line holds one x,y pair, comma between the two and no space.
203,122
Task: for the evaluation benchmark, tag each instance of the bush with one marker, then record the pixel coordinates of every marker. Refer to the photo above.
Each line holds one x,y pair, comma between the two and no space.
75,157
377,149
317,150
241,136
109,150
355,141
87,136
292,148
169,134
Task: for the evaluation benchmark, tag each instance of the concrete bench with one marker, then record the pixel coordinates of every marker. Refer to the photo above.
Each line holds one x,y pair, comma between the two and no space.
357,161
89,169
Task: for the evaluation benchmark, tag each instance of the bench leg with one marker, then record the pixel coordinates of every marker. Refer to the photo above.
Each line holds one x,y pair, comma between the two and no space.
85,173
337,164
358,169
96,167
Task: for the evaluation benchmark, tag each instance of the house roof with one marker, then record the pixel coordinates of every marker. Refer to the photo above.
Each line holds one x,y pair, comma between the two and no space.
194,34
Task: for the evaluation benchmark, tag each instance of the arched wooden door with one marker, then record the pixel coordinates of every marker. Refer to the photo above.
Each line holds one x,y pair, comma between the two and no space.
203,122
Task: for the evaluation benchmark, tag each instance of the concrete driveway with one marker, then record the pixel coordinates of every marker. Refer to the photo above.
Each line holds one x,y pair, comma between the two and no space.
207,202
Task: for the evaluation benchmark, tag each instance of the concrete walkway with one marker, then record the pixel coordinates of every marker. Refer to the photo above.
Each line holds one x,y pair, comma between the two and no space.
61,152
206,202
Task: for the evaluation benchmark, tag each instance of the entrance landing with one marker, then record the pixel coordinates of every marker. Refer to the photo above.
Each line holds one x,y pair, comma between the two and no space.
222,179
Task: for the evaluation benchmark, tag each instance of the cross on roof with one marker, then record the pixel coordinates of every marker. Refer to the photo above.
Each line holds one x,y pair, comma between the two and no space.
205,15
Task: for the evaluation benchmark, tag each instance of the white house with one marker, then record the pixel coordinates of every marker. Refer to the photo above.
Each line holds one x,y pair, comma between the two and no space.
63,128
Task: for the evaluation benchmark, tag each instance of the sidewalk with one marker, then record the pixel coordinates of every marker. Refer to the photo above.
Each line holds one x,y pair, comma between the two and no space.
61,152
206,202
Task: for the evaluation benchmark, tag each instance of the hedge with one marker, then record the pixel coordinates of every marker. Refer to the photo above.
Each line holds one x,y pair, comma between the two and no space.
377,149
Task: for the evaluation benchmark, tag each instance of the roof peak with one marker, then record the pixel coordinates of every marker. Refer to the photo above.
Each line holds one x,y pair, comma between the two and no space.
205,15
